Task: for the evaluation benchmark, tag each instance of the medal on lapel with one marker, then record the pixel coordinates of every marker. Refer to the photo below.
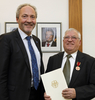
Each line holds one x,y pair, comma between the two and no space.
77,67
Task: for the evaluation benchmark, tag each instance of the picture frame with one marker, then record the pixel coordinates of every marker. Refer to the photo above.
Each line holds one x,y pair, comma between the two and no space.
11,26
49,32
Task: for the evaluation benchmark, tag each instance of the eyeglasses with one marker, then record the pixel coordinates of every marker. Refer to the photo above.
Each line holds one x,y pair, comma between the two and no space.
72,37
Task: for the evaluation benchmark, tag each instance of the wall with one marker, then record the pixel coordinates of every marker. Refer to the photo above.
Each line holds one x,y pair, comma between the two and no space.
89,27
88,15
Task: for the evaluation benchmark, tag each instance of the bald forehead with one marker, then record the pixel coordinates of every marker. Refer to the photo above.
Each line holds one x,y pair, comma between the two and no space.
28,10
27,7
71,32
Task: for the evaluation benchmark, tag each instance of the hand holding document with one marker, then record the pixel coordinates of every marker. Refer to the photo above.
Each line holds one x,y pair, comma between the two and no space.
54,82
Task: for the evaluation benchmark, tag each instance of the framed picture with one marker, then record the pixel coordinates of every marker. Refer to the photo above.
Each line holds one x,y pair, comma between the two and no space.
50,35
11,26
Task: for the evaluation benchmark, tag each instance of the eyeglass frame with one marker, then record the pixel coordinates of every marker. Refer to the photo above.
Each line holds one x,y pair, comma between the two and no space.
72,37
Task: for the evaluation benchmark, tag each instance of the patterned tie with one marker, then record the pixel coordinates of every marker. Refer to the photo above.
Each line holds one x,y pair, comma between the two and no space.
34,64
66,69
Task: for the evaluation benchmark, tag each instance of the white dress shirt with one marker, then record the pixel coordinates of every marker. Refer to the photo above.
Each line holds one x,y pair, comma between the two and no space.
50,43
37,53
72,62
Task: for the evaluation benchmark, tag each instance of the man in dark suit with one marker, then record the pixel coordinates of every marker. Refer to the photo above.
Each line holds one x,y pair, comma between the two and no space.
49,36
16,72
82,68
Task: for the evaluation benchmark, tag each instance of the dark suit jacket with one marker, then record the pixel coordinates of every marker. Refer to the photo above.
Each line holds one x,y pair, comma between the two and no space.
52,45
83,80
15,74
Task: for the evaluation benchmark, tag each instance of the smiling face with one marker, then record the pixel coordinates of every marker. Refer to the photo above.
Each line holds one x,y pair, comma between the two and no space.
72,43
27,19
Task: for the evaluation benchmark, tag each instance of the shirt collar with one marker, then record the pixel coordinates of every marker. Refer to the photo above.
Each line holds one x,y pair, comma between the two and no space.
49,42
73,55
22,34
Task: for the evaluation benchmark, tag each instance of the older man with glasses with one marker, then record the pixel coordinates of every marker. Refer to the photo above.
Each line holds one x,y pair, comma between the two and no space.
78,68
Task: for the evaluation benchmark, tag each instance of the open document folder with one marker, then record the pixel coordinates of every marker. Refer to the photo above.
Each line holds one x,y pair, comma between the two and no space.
54,82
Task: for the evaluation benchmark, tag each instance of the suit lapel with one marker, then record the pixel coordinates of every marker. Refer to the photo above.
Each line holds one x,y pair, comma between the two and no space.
59,60
37,43
76,72
22,47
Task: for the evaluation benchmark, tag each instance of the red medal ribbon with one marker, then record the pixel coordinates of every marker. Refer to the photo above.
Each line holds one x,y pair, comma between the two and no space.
78,63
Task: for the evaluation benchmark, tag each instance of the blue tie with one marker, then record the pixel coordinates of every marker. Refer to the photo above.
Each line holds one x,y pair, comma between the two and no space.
34,64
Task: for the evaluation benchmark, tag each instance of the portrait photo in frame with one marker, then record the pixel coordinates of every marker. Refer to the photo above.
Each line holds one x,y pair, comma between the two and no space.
50,35
11,26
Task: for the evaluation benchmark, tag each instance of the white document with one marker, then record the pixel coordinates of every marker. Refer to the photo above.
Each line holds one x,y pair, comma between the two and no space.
54,82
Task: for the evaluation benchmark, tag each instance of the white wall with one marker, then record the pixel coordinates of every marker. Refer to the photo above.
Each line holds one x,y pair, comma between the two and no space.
89,27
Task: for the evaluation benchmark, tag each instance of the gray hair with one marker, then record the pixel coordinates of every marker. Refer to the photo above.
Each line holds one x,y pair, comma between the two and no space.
23,5
72,29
